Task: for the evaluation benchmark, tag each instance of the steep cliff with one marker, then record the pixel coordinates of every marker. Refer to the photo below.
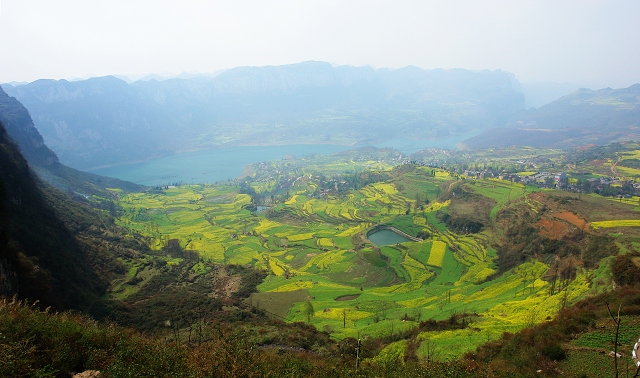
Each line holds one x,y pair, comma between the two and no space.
20,128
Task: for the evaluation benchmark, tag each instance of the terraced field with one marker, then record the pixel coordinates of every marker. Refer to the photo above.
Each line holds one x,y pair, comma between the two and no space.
499,190
315,248
616,223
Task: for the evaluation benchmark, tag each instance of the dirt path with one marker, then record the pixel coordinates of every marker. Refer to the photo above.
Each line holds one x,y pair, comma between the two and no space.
613,167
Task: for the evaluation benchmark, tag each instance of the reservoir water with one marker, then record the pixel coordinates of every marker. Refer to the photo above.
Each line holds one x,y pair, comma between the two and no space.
224,163
410,146
218,164
386,237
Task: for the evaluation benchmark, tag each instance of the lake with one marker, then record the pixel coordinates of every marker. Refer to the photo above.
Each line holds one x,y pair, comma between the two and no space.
386,237
218,164
224,163
410,146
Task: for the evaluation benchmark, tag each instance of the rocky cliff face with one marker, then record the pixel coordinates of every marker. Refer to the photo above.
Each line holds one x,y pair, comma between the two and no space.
20,127
96,117
52,249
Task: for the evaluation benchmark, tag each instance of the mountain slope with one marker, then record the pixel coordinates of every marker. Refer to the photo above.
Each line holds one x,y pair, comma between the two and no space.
104,121
582,117
587,110
54,249
40,259
20,128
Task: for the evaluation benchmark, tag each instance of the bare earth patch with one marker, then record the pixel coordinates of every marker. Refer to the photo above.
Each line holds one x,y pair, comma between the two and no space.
573,219
228,285
552,229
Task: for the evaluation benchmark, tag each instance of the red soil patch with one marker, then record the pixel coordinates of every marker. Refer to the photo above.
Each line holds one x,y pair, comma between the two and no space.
552,229
573,219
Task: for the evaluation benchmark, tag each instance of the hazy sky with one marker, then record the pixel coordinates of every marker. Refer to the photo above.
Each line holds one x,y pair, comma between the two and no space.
589,42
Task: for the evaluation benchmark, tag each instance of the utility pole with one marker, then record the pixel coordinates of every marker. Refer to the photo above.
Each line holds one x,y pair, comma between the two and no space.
616,321
358,355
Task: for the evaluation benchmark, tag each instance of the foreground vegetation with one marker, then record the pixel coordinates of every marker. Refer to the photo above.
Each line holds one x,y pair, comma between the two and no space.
575,343
36,343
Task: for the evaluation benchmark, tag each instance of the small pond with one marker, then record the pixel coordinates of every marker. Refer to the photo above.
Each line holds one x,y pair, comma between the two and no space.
386,237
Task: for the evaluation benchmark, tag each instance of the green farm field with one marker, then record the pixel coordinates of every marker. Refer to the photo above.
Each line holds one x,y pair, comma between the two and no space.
314,246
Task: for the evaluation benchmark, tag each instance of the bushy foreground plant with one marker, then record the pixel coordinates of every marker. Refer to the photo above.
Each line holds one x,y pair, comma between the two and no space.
49,344
36,343
541,348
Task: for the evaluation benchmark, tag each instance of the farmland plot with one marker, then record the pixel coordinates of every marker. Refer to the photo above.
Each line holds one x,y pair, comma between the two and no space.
315,246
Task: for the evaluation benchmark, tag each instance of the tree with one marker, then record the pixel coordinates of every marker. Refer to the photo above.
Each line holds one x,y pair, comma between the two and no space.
308,311
173,248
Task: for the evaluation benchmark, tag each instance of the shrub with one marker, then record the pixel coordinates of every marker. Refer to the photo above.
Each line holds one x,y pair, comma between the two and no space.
554,352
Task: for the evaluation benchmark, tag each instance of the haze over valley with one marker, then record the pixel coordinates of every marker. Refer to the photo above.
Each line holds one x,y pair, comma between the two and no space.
328,189
105,121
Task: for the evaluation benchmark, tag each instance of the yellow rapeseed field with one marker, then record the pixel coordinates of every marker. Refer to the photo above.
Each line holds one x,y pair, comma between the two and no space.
436,256
631,154
292,200
616,223
325,242
265,224
275,268
435,206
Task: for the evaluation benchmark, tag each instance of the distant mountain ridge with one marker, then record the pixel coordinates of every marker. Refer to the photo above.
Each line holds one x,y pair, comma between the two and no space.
105,121
582,117
587,109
